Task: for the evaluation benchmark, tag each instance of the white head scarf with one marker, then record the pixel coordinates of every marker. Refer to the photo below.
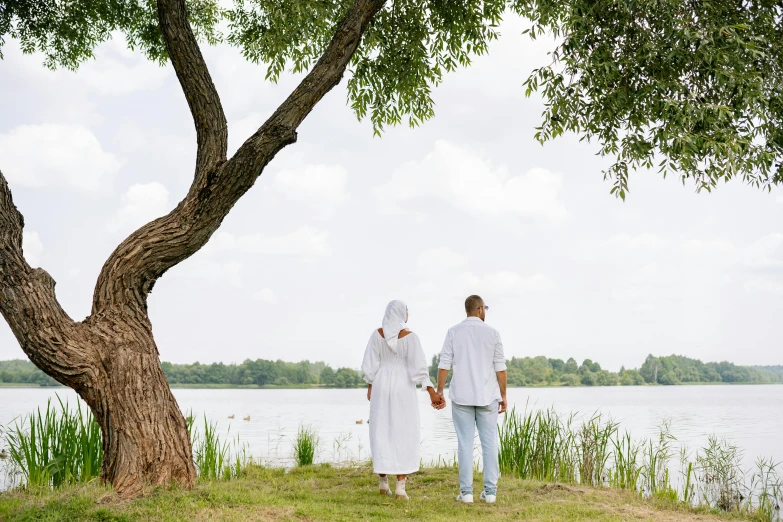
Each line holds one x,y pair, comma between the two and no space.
394,322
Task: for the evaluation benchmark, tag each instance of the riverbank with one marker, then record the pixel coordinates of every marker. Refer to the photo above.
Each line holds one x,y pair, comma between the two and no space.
350,494
325,387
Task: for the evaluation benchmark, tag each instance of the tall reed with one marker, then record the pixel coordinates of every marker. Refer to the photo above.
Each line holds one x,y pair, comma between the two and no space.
541,445
306,445
626,471
56,446
213,457
537,446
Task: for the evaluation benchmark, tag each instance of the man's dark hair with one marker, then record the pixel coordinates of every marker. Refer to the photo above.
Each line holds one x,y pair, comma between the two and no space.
473,302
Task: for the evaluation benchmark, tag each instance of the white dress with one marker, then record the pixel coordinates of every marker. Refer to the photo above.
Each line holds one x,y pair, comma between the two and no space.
394,409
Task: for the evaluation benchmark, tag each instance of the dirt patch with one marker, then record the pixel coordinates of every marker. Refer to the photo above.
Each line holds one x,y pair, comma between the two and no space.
550,488
641,512
249,514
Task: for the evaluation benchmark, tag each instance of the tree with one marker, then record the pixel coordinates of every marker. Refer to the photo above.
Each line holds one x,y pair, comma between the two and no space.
631,378
571,366
327,376
691,87
347,378
397,53
557,365
588,378
606,378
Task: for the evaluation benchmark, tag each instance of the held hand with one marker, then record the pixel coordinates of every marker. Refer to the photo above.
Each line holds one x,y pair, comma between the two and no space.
437,401
502,406
369,391
442,401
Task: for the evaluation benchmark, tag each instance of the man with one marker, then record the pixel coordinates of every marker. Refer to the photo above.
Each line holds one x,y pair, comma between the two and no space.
477,392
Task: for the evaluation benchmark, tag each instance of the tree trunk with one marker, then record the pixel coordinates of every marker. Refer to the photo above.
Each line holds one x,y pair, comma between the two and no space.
110,358
145,437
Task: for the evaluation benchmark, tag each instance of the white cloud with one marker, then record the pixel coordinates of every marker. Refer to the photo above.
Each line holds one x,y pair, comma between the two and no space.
766,253
320,186
140,204
505,284
717,247
643,241
764,285
303,242
265,296
471,184
438,260
109,76
54,155
210,271
241,130
33,247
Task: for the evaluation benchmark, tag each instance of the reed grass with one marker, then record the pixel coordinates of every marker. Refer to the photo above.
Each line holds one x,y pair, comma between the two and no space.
213,457
542,445
56,446
306,445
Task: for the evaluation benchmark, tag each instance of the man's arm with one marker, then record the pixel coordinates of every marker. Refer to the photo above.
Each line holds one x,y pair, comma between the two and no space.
499,360
442,375
444,364
502,379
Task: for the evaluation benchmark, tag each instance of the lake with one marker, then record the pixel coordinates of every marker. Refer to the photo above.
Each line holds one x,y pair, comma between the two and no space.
750,416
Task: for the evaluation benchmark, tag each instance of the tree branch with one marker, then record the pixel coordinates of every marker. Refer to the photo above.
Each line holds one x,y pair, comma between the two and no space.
29,305
132,270
196,82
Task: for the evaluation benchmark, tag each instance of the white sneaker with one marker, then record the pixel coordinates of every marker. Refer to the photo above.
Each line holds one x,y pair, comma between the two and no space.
467,498
489,499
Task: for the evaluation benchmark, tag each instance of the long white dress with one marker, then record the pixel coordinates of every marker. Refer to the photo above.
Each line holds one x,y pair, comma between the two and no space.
394,409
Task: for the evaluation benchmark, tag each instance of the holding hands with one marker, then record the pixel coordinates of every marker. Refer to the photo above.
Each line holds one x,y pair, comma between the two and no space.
437,400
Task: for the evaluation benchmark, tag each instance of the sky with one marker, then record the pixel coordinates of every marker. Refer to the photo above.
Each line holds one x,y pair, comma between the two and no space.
342,222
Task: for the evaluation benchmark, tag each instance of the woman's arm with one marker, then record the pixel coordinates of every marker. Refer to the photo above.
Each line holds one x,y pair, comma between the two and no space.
371,362
420,373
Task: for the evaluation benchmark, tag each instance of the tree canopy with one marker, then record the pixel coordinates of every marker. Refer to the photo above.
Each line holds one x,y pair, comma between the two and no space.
690,86
407,48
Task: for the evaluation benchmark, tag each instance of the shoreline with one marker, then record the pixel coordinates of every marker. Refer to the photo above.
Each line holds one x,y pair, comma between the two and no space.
325,493
324,387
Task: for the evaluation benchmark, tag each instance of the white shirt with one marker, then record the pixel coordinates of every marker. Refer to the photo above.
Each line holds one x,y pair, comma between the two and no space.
475,351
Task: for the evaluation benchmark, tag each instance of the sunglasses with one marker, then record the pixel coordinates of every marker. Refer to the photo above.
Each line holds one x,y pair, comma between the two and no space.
485,307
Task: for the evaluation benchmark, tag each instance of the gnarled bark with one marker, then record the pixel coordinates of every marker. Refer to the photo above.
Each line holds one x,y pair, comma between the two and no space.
110,358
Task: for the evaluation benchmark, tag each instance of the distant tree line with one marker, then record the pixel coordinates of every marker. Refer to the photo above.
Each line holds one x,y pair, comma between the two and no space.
522,371
19,371
263,372
253,373
674,369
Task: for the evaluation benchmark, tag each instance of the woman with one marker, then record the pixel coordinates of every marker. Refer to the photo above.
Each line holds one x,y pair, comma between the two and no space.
394,364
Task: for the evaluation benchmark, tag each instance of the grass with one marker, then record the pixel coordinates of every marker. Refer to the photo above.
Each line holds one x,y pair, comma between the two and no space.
56,446
59,446
541,445
305,445
316,493
213,457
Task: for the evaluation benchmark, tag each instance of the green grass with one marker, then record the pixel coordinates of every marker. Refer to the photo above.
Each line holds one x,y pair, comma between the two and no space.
542,445
56,446
213,457
317,493
306,446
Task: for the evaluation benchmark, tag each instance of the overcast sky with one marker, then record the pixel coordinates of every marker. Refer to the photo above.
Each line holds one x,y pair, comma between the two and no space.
341,222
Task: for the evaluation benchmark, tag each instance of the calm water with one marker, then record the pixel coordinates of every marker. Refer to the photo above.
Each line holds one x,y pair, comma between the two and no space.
750,416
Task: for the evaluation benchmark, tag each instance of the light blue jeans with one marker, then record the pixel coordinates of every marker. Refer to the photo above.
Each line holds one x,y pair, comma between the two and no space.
466,420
